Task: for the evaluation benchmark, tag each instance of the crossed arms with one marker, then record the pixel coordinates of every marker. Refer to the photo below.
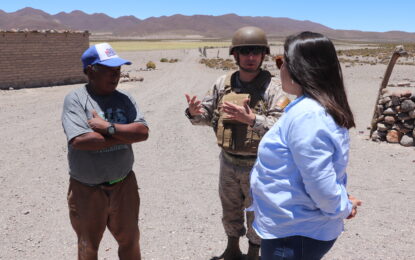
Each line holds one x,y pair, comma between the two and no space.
97,140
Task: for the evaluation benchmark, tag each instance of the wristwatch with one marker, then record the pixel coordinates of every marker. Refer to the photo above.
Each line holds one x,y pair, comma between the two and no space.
111,129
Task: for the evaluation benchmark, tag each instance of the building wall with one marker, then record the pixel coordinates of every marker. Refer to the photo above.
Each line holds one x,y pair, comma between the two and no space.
36,59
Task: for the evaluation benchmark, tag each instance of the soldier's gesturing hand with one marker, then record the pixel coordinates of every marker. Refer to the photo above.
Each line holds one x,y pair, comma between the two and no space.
242,114
195,107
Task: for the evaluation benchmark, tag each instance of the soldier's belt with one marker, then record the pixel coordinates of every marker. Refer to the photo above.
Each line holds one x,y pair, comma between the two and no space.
239,159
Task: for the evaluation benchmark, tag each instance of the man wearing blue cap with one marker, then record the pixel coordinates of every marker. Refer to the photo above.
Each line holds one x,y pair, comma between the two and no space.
100,124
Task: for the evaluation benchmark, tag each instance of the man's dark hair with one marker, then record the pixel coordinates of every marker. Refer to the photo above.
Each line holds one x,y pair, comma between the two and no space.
312,62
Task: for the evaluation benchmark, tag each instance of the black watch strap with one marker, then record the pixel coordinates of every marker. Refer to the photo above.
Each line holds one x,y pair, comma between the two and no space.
111,129
187,113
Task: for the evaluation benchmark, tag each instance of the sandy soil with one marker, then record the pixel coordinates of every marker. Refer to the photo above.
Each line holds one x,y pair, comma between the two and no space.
177,170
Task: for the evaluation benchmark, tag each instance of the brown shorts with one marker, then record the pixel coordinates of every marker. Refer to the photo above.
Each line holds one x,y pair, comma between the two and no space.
92,209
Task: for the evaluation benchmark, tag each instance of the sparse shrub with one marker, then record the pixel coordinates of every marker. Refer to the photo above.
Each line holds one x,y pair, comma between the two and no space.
151,65
219,63
228,64
380,51
169,61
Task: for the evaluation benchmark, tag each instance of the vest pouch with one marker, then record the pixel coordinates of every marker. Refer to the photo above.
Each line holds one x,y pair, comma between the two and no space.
224,135
239,132
237,138
234,98
251,141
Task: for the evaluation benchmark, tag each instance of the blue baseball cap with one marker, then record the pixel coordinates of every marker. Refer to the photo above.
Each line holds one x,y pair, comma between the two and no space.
102,54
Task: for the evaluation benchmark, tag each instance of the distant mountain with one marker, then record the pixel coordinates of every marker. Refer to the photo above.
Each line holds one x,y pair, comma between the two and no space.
180,25
29,18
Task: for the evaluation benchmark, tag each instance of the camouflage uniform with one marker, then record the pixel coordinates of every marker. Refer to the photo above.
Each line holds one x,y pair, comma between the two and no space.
235,168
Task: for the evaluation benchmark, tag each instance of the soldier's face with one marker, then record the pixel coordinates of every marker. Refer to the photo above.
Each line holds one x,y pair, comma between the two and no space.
250,61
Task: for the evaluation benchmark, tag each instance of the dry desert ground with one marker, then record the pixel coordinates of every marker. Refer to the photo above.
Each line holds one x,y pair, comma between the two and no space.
177,170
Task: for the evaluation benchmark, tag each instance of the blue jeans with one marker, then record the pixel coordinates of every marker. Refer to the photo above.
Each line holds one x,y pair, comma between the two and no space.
294,248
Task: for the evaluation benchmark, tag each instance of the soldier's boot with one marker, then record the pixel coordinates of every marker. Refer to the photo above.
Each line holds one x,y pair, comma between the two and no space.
253,252
232,251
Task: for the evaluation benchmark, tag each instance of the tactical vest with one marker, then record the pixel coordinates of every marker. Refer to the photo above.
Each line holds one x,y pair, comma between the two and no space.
235,137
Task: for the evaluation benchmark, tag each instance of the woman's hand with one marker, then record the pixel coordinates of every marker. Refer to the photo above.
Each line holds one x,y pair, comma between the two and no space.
356,203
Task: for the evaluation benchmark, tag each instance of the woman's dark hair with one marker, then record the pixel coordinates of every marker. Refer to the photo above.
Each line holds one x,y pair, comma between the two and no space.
312,62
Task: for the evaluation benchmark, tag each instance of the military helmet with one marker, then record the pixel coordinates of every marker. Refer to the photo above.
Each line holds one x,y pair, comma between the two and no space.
249,36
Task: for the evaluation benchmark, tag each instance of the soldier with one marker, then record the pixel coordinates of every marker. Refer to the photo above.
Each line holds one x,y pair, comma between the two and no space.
241,108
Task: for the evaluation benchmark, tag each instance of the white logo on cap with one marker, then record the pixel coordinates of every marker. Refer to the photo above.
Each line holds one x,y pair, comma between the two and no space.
105,51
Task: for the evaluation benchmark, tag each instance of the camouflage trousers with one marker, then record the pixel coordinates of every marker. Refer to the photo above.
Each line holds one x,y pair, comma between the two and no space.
235,196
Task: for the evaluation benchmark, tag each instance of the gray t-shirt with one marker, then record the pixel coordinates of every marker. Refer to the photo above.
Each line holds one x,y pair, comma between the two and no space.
94,167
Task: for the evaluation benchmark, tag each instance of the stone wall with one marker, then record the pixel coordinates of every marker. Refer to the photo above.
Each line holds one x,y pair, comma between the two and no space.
41,58
396,116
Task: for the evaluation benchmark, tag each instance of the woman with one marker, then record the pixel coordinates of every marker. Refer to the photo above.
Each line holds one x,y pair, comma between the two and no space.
298,182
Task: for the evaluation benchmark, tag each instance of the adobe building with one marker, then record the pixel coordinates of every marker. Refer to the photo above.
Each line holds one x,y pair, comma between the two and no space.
41,58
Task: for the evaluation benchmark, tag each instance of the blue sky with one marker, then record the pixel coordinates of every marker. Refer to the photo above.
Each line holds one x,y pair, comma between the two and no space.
365,15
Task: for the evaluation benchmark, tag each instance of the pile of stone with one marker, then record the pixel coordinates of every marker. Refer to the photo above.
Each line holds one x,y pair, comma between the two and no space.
125,77
406,83
396,116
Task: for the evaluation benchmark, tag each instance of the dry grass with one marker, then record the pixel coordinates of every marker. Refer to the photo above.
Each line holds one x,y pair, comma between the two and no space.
219,63
379,55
